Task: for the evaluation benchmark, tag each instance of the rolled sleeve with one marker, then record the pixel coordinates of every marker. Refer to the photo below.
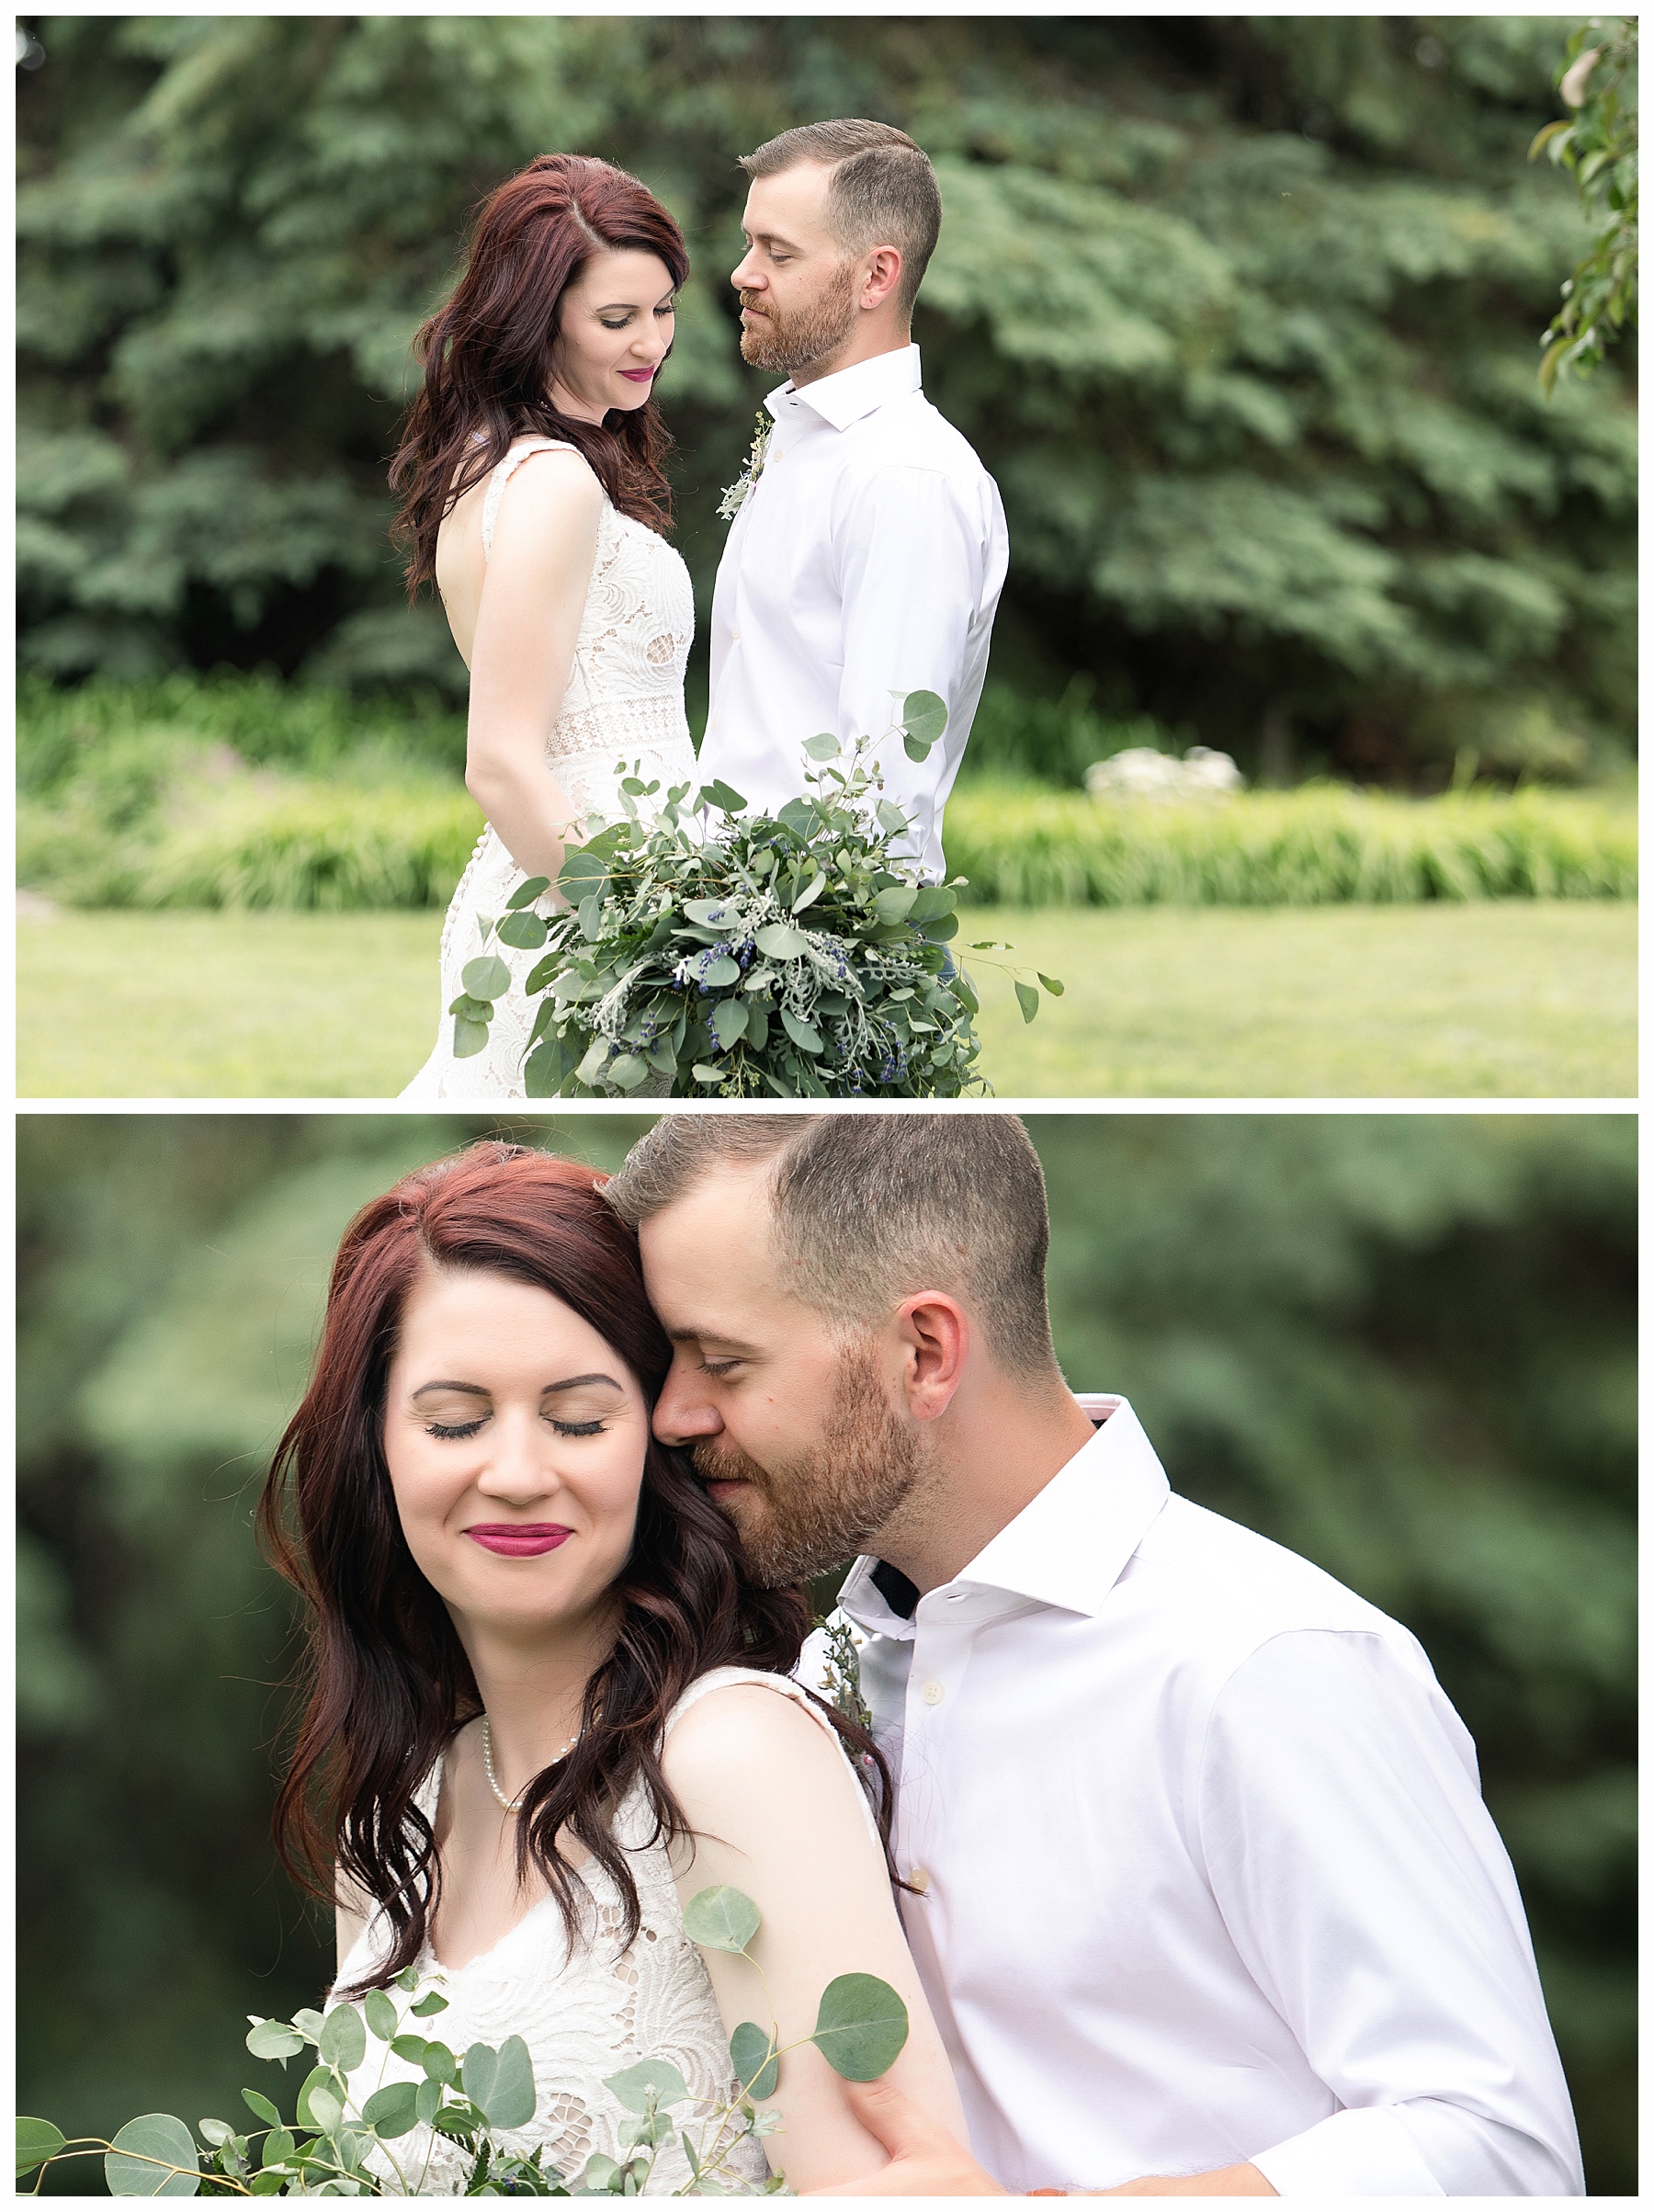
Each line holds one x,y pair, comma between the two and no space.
912,566
1365,1888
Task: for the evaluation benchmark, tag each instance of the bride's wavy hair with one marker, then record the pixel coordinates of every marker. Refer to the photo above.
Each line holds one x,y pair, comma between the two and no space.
385,1681
486,354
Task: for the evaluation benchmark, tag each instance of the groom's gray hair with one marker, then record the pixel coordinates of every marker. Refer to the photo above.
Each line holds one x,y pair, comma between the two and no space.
867,1208
882,191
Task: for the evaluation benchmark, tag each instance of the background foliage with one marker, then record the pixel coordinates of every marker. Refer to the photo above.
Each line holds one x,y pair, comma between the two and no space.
1242,312
1403,1345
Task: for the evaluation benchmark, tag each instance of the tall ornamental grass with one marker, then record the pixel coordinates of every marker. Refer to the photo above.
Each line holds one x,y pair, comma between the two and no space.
1317,845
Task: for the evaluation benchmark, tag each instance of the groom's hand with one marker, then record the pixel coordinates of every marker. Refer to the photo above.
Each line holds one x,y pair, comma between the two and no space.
925,2158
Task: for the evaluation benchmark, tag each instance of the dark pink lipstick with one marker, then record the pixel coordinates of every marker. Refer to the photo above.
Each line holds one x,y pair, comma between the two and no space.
639,376
518,1540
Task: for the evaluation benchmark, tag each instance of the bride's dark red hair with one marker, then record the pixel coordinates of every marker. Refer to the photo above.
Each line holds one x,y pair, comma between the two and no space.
486,354
386,1681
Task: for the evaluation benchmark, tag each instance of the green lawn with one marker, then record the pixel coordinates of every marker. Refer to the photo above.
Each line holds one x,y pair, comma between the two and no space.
1515,998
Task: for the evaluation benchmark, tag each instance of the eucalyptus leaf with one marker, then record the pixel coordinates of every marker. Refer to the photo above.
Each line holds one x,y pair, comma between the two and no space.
924,719
651,2077
719,794
216,2132
469,1038
318,2078
37,2141
440,2064
777,941
527,893
861,2026
261,2107
139,2155
811,893
392,2111
824,747
729,1022
432,2002
524,933
428,2101
721,1919
711,914
1027,998
1051,984
705,1074
486,978
326,2108
719,974
274,2039
411,2047
802,1035
627,1071
501,2082
757,2066
344,2041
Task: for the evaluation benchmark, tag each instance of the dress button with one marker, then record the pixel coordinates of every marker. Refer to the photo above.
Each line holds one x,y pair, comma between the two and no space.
919,1880
933,1693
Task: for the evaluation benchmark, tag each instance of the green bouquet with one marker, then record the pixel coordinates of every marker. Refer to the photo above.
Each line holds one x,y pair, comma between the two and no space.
792,955
356,2134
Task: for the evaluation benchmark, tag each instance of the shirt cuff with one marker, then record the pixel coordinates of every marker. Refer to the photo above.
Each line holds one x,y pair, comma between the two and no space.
1364,2152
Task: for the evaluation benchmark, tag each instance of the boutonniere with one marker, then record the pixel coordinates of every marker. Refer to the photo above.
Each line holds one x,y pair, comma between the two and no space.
734,498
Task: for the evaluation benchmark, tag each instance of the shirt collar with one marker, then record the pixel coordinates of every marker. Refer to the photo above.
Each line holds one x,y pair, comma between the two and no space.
849,394
1069,1544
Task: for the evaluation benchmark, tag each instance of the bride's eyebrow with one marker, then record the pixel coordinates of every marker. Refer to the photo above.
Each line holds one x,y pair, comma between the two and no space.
576,1382
466,1390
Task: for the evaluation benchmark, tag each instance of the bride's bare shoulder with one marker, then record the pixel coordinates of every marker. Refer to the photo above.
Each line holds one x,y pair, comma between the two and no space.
728,1728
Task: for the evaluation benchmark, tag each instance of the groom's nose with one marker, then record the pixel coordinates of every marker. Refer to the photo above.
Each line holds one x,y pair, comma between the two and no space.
685,1412
746,277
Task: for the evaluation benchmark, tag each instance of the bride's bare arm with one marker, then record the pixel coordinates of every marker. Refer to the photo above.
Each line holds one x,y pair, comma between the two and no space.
776,1814
534,592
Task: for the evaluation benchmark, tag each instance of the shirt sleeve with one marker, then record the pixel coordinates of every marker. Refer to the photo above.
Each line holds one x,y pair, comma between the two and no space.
911,563
1365,1888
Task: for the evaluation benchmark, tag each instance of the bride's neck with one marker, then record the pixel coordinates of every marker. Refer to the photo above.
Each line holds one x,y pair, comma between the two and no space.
533,1685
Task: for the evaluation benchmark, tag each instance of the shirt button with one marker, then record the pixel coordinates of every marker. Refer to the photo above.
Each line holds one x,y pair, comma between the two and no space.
918,1879
933,1693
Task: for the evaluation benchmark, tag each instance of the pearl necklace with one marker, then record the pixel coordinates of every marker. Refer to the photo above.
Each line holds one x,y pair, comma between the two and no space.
515,1804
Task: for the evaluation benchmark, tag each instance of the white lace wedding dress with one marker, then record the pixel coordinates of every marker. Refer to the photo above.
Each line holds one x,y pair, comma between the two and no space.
583,2016
624,703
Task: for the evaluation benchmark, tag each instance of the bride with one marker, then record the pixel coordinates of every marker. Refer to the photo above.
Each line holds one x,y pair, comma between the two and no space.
535,498
545,1706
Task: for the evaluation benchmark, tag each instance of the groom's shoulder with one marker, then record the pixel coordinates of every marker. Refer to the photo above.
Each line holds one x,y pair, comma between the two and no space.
1224,1587
910,433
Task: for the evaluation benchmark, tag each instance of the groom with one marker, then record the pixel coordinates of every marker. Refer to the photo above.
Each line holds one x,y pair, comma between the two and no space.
1201,1886
868,550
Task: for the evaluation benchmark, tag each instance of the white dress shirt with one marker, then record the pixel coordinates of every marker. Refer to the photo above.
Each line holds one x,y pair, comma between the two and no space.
1206,1872
866,562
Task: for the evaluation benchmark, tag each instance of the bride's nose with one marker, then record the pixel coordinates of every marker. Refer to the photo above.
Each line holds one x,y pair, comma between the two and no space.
520,1469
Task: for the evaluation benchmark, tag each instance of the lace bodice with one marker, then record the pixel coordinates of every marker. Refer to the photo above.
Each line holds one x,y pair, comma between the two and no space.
584,2015
624,703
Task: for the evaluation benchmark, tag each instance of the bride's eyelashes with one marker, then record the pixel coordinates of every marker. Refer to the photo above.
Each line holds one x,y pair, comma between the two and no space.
668,310
445,1430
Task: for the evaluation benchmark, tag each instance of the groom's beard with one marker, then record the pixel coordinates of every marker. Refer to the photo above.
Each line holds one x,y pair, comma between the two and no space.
800,1517
784,344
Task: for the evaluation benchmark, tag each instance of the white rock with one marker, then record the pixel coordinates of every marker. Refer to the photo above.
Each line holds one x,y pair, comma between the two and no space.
1140,772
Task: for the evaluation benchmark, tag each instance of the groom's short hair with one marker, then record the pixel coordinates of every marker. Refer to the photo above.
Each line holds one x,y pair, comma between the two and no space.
866,1208
882,189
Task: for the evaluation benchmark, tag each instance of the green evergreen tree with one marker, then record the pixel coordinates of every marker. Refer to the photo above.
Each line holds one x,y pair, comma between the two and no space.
1241,314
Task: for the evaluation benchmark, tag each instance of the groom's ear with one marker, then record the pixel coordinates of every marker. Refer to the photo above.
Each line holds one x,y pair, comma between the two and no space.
883,277
934,1335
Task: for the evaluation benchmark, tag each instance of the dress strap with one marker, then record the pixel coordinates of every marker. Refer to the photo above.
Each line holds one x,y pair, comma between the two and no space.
722,1678
503,475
